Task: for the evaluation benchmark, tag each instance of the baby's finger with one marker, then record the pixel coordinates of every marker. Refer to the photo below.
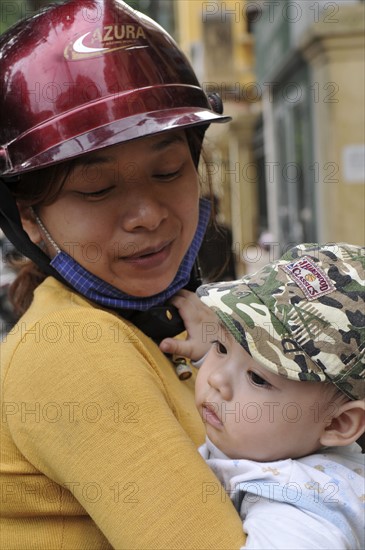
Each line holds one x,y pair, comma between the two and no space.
176,347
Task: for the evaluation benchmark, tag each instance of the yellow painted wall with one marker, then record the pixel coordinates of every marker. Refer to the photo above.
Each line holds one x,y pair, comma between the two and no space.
337,61
229,144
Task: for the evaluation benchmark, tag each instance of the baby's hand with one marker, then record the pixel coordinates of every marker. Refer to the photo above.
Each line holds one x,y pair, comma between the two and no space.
199,321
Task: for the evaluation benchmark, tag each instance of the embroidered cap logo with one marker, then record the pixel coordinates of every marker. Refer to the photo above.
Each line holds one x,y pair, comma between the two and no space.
309,277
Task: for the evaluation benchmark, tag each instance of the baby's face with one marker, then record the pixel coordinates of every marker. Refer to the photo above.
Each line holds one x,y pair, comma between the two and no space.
254,414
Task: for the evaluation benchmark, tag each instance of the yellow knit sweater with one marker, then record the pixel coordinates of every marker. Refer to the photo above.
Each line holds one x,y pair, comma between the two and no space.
99,437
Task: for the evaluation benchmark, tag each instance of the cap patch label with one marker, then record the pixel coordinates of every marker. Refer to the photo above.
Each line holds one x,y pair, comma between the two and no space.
105,40
309,277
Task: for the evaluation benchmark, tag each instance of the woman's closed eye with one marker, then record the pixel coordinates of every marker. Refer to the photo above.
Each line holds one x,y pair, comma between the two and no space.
257,380
168,176
95,194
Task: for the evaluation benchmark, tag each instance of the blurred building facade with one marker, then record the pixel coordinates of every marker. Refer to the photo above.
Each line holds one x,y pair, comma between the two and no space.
310,66
291,73
290,165
217,37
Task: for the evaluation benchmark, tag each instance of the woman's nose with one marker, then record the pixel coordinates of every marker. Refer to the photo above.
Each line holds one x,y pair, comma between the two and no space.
144,210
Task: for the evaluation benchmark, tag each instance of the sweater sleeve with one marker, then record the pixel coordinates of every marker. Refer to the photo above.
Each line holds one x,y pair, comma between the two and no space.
99,422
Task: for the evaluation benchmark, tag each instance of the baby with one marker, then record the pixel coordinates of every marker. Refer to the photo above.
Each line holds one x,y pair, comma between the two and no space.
281,393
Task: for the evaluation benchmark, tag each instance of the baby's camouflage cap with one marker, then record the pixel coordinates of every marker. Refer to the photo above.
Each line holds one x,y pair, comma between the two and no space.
303,316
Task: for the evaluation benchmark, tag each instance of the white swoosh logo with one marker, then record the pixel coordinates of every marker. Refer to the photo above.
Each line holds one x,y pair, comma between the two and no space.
135,47
79,47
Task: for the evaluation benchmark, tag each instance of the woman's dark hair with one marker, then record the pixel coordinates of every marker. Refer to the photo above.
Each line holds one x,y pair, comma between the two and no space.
33,189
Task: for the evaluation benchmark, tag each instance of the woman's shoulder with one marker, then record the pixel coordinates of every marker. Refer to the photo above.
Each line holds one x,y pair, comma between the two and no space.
58,306
52,295
61,324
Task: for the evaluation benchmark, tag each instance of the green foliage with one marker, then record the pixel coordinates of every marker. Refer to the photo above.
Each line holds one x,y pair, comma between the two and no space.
12,11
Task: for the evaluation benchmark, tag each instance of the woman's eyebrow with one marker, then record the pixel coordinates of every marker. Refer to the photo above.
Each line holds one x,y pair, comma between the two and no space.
90,160
165,141
159,145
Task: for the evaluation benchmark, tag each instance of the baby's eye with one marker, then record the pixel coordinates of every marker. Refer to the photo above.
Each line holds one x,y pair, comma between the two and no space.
257,380
220,348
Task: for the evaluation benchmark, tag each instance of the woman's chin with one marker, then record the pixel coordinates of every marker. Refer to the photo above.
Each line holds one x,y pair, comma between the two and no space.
146,288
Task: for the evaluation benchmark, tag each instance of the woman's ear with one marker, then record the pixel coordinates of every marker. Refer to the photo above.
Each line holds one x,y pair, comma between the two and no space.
29,223
346,426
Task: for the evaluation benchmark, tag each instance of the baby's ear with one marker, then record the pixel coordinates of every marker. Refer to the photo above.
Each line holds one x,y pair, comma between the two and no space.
29,223
346,426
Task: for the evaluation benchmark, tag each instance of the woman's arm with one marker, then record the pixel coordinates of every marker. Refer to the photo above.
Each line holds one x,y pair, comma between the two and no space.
117,444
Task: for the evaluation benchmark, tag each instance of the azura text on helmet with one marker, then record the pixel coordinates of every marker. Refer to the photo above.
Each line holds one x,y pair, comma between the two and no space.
103,40
117,32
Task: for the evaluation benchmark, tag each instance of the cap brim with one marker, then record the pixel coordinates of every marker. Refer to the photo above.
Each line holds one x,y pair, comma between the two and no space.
266,337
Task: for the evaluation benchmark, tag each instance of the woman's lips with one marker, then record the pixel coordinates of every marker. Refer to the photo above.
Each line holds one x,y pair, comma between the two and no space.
150,257
209,415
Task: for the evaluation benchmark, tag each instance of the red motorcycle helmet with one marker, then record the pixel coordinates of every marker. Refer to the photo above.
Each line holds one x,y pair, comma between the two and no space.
86,74
80,76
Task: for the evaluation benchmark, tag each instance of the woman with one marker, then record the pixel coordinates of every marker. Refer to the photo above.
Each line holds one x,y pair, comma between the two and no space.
101,132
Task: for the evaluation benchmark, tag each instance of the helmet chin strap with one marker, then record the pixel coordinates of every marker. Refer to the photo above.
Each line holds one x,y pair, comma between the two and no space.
45,231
